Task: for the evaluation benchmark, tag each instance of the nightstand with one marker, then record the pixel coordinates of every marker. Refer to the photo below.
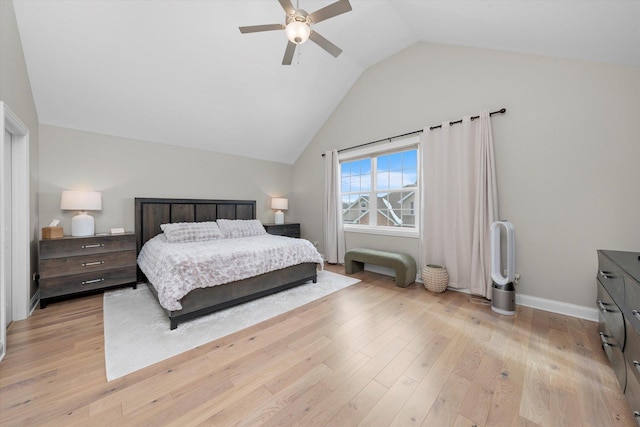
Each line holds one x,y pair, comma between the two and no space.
287,229
71,266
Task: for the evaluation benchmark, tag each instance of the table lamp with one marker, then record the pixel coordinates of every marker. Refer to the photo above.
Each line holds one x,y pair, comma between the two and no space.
280,204
81,224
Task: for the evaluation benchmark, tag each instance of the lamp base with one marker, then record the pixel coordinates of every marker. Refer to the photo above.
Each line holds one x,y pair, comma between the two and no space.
82,225
279,218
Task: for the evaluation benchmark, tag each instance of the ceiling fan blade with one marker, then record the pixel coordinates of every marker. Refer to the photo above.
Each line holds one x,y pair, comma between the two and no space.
258,28
288,53
330,11
287,6
325,44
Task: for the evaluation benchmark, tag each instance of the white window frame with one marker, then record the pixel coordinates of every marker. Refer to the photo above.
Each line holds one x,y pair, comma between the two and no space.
399,144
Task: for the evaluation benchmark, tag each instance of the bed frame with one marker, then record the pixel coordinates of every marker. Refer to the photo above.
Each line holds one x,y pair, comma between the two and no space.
151,212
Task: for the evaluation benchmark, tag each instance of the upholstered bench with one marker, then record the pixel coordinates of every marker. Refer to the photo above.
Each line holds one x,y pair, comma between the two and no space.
403,264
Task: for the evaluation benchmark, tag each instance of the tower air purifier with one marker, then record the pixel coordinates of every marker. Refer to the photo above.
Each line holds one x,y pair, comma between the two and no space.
503,292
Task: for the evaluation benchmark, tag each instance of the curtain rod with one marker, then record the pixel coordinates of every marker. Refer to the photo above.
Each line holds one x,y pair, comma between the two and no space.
500,111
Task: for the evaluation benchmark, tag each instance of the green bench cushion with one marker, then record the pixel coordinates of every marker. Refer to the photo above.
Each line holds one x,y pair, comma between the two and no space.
403,264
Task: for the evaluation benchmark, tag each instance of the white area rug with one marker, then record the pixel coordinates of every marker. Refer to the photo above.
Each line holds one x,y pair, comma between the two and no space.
136,329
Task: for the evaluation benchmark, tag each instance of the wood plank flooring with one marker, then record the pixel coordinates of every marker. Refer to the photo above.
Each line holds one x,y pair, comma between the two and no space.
372,354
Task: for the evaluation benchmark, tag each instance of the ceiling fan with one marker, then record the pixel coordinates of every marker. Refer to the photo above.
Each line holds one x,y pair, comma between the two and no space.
297,27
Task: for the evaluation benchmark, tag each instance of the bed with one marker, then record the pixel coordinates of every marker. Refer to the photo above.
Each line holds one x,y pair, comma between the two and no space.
150,213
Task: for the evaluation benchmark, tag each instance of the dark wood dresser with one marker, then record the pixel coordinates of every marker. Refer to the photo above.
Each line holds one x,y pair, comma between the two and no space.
288,229
72,266
618,302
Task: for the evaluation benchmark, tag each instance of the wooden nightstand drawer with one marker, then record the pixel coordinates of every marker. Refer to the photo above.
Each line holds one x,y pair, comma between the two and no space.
56,267
76,246
67,285
289,230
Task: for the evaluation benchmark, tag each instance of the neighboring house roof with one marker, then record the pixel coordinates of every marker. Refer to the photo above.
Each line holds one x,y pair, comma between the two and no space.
392,215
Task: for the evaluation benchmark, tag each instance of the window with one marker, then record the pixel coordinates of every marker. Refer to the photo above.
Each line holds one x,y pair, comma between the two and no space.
380,190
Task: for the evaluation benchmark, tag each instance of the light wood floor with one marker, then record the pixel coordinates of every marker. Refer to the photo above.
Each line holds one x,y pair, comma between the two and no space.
372,354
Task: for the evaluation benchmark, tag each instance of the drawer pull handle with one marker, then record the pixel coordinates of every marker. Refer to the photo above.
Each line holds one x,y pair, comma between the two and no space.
636,314
605,343
637,365
101,245
602,307
89,264
606,274
88,282
636,415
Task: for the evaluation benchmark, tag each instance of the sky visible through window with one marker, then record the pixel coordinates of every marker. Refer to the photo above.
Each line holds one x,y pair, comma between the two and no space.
394,171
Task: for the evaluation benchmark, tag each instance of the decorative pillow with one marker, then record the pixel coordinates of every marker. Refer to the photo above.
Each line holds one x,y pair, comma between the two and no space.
232,228
183,232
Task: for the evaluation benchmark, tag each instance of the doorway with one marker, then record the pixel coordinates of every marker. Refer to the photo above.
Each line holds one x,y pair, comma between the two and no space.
15,237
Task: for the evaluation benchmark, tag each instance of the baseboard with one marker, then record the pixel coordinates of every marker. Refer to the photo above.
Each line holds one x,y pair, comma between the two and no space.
573,310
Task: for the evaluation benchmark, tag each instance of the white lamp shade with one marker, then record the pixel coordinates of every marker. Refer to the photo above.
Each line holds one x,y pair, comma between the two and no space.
297,32
279,203
81,201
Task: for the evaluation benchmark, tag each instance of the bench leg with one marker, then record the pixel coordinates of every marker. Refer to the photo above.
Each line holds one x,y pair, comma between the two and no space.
401,278
351,266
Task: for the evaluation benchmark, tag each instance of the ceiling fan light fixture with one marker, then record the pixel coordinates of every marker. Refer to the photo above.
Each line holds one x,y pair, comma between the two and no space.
297,31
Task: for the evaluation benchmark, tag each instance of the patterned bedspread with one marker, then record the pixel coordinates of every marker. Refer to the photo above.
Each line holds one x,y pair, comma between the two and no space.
174,269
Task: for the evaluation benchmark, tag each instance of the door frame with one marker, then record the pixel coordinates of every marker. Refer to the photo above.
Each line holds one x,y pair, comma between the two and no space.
21,237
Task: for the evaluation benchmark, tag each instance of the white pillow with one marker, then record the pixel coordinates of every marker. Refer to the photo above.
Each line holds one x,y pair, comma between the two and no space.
232,228
183,232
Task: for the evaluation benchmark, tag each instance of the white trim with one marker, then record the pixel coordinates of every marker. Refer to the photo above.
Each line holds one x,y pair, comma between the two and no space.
21,238
573,310
553,306
384,231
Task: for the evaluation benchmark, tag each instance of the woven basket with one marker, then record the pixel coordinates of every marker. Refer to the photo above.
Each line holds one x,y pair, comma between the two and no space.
435,278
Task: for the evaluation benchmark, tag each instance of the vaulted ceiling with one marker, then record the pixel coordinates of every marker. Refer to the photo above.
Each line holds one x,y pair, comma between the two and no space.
179,71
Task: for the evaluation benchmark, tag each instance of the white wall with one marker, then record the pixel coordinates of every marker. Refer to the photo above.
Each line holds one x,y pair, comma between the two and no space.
123,169
15,91
567,151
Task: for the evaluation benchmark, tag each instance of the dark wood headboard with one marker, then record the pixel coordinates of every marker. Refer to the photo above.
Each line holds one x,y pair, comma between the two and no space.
150,213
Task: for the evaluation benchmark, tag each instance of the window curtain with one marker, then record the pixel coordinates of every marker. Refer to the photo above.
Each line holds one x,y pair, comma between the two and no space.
459,201
334,246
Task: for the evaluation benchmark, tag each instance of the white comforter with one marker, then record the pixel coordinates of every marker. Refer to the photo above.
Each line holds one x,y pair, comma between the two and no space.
174,269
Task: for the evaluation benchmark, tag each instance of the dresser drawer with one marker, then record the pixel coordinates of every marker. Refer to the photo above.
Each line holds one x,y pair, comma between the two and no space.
632,350
78,246
56,267
631,309
67,285
610,319
632,394
610,275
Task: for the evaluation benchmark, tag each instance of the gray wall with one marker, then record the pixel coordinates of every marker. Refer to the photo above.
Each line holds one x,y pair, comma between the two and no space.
123,169
567,152
15,91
